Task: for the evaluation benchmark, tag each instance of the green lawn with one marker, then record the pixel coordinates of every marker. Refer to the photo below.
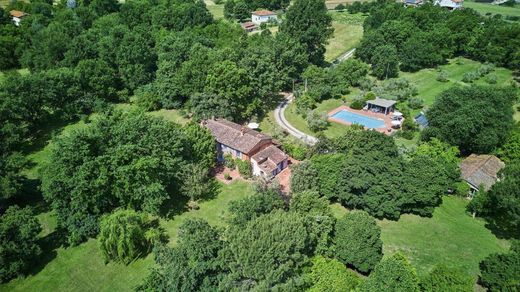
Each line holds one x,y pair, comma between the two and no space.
81,268
216,10
450,237
348,31
429,88
484,8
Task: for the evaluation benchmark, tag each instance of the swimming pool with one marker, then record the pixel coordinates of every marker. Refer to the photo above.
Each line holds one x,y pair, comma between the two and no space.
354,118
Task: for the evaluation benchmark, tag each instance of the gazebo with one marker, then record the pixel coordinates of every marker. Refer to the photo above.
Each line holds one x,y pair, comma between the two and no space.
381,105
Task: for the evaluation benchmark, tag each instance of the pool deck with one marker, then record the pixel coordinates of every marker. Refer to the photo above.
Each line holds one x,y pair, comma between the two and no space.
386,118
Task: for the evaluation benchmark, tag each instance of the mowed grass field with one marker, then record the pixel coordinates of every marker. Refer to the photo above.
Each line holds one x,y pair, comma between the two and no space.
450,236
484,8
348,30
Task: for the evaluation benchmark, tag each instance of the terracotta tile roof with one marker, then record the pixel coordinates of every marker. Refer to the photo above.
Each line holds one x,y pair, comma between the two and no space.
269,158
247,25
263,13
17,13
236,136
480,170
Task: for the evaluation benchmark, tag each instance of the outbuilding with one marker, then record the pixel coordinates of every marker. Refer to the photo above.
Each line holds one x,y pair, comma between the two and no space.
17,16
260,16
480,171
381,105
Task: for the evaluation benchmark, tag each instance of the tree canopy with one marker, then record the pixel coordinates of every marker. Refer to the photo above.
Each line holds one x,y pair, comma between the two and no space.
393,273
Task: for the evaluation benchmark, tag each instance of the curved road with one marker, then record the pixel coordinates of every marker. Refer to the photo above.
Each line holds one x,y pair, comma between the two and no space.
279,116
279,112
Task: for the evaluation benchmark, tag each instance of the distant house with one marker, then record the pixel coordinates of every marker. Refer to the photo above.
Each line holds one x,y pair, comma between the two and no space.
450,4
249,26
247,144
413,3
480,171
260,16
17,16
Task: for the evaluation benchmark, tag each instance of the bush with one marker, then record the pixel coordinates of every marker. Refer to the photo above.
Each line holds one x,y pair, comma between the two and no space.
485,69
126,235
340,7
331,275
229,162
443,278
244,168
317,121
415,103
501,272
227,176
491,78
370,96
357,104
470,76
442,76
295,149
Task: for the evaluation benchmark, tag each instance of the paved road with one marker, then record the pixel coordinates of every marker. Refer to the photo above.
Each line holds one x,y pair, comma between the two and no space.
279,116
279,112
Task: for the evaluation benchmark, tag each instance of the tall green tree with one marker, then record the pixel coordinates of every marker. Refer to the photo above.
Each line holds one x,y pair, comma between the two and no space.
393,273
19,231
308,22
501,272
385,62
332,275
358,241
443,278
192,265
475,119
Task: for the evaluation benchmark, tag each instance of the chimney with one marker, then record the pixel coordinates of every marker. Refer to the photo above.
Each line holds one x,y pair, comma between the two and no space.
242,131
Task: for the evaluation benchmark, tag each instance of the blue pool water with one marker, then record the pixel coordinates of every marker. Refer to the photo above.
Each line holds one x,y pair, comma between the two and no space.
354,118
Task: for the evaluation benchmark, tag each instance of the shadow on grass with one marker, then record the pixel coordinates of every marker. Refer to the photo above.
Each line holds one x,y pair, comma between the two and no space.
49,244
501,231
45,133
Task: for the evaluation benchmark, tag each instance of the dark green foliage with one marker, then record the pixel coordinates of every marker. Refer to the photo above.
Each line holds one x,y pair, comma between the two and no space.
310,203
126,235
501,205
192,265
385,62
308,22
11,178
475,119
267,252
510,150
200,145
19,231
443,278
501,272
249,208
197,182
304,176
393,273
123,159
358,241
317,121
428,35
331,275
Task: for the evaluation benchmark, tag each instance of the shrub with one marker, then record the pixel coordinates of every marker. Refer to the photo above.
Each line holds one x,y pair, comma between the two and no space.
443,278
340,7
229,162
415,103
357,104
370,96
317,121
491,78
485,69
227,176
470,76
442,76
244,168
295,149
126,235
331,275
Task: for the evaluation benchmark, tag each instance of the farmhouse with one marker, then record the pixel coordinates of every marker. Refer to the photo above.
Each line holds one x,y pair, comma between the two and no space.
480,171
450,4
260,16
246,144
17,16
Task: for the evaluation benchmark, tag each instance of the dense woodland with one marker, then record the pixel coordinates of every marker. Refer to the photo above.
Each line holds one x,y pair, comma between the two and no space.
115,178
